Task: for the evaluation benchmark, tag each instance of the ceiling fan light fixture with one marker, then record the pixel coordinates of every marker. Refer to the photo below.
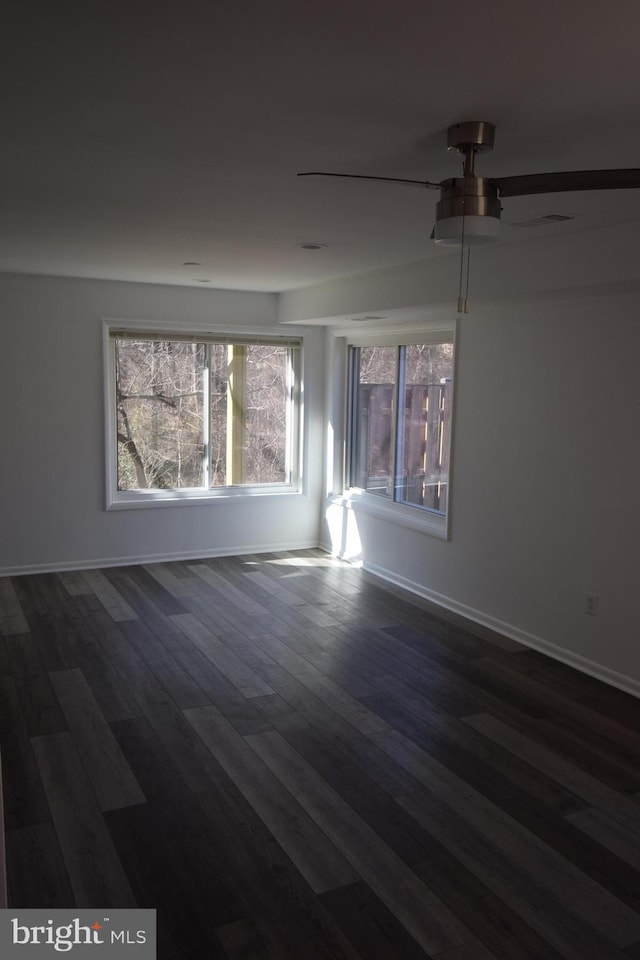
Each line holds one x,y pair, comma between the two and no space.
475,230
468,212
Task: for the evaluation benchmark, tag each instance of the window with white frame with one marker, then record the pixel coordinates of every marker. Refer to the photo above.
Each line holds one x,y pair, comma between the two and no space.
400,401
201,415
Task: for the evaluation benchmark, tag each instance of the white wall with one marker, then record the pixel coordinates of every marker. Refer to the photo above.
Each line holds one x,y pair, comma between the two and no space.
52,499
544,500
546,459
602,260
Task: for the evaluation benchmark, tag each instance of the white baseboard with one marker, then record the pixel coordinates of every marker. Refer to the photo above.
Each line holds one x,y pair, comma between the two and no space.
328,547
583,664
63,565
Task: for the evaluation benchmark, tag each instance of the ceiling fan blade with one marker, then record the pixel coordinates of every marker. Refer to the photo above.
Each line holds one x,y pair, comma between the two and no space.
361,176
567,181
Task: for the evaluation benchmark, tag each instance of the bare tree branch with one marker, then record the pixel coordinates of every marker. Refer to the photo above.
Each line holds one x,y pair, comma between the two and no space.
130,446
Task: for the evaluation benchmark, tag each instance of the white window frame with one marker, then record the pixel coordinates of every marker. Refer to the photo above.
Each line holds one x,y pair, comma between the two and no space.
411,516
133,499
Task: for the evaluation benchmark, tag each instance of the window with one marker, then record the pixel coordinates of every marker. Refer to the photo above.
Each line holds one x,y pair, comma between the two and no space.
399,436
201,415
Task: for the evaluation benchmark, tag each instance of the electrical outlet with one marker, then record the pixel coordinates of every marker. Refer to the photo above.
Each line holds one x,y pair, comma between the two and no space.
591,604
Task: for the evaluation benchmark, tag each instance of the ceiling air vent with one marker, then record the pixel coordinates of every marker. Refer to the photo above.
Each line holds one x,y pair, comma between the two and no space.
540,221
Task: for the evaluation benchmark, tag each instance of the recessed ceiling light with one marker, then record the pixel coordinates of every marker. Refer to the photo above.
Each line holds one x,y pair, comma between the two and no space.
312,245
191,263
198,280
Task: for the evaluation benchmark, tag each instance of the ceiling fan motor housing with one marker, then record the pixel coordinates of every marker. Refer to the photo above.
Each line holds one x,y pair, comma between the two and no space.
476,200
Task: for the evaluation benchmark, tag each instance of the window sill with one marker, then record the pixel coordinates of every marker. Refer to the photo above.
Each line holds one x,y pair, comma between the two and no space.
414,518
141,499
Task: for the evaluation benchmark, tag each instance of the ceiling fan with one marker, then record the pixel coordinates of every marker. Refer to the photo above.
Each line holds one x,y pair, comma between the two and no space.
477,199
468,211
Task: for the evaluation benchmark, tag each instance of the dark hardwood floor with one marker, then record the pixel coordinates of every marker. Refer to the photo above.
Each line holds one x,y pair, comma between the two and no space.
291,760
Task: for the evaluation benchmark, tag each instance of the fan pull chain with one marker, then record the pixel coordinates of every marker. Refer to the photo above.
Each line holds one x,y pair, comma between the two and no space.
462,301
466,291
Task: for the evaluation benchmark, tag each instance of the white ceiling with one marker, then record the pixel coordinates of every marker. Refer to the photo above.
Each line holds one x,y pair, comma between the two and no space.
139,135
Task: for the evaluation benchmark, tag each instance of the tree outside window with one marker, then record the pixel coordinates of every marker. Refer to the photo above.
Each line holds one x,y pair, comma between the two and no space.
192,415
